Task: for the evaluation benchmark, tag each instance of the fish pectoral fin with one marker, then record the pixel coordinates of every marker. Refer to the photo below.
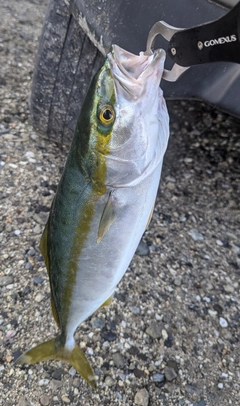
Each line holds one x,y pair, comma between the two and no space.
107,219
54,350
107,302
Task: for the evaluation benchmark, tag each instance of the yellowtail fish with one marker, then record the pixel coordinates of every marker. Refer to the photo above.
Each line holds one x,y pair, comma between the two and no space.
105,197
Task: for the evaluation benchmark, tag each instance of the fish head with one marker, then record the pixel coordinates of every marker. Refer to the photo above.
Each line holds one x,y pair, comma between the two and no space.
125,119
141,128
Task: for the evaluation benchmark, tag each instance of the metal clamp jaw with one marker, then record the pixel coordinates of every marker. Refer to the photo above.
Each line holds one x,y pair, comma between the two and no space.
167,31
211,42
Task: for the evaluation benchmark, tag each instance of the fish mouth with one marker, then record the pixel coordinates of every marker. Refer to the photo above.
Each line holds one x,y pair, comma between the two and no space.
133,72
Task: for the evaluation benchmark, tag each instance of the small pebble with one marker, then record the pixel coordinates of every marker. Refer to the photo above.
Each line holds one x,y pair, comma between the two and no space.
154,329
118,360
224,375
55,384
76,382
98,322
177,281
44,400
141,398
109,336
170,374
138,373
57,374
229,288
37,229
134,309
37,280
142,249
43,382
196,236
39,297
65,399
10,334
170,186
212,313
6,280
109,381
164,334
219,242
72,371
158,378
29,154
118,395
23,402
188,160
192,389
182,218
220,385
200,403
223,322
28,266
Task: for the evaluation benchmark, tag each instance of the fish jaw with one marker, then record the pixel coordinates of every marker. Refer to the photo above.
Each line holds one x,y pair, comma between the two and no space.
134,75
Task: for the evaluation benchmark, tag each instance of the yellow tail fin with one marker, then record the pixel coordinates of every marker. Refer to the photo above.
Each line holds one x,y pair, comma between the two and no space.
53,349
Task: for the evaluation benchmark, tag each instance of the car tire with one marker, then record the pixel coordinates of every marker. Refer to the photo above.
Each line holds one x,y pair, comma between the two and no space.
65,64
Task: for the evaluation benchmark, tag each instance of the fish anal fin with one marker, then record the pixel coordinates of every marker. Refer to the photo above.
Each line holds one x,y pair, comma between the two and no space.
44,252
150,217
107,302
54,350
107,219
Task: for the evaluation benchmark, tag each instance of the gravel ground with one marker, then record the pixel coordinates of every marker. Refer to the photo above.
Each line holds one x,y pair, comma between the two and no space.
171,336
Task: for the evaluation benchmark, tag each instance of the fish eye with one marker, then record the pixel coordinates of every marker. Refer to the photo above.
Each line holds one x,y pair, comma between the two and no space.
107,115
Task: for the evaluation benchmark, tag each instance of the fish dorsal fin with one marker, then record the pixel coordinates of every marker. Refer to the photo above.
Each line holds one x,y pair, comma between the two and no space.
44,252
43,247
107,219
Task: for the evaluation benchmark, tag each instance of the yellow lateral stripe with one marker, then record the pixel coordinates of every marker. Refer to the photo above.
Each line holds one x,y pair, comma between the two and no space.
99,147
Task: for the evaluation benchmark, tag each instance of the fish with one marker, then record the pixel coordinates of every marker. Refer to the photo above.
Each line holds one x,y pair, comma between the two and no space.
105,197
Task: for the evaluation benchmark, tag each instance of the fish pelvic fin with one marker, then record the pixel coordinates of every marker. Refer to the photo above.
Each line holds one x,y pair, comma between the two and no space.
55,350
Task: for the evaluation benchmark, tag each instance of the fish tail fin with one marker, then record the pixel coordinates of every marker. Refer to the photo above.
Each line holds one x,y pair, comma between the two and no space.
54,350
